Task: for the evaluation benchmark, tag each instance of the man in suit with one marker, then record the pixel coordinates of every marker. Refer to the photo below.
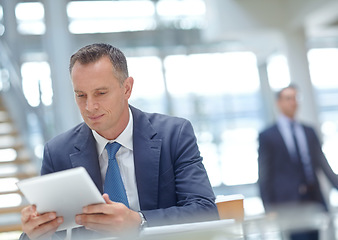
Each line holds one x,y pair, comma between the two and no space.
161,168
290,154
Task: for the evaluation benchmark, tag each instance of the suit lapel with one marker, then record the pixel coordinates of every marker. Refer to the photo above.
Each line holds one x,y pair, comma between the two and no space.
147,151
85,155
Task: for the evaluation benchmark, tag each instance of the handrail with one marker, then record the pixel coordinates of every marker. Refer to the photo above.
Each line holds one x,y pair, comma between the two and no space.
16,103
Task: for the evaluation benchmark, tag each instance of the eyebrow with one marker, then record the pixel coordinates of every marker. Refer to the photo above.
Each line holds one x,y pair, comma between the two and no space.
96,89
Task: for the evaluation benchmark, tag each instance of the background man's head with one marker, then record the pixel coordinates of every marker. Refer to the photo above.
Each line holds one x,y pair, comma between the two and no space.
287,101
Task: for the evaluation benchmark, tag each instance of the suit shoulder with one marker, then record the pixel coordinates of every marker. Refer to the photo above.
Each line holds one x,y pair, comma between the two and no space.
269,130
158,118
165,118
69,134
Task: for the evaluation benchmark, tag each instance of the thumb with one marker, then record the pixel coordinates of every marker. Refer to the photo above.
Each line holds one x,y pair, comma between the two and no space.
106,198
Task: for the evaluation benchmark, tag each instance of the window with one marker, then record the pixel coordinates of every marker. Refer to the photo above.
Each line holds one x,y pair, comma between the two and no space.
219,94
148,90
183,14
221,99
324,75
37,83
278,72
30,18
124,16
110,16
2,27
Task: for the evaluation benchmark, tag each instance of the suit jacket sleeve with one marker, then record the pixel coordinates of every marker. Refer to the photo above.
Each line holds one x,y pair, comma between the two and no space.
320,160
185,184
265,169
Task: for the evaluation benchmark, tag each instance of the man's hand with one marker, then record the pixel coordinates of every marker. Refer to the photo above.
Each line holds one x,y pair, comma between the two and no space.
109,217
39,226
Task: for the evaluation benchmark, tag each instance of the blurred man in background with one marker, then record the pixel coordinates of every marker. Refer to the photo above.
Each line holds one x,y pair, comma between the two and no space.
290,155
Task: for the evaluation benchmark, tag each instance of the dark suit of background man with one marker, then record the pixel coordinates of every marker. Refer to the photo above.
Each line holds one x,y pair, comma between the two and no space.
289,155
162,170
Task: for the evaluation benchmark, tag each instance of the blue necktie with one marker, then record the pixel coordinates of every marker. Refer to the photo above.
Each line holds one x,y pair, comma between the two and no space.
308,171
113,184
296,154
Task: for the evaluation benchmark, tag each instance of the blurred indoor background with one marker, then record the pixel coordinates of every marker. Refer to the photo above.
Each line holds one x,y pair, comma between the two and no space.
214,62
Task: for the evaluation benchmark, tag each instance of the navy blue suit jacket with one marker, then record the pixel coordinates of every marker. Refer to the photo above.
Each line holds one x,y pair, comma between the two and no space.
172,183
280,178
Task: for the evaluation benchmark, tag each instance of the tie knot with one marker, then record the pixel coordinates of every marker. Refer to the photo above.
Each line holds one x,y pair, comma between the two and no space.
112,149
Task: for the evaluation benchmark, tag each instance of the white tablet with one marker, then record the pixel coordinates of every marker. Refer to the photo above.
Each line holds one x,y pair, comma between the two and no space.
65,192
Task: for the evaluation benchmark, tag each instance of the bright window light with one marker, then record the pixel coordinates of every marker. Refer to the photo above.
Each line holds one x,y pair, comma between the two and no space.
110,16
324,75
218,73
233,157
7,155
182,14
10,200
323,67
1,13
8,169
2,27
278,72
230,81
209,152
170,8
37,83
8,184
30,18
146,85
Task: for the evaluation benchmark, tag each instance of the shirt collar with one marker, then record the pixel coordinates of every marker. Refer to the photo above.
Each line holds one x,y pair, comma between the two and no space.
285,122
125,138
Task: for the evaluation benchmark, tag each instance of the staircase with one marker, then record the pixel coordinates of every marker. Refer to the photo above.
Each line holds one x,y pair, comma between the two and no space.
15,164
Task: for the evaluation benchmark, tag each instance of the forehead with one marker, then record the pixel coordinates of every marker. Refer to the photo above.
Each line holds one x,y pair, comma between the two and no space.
288,92
92,76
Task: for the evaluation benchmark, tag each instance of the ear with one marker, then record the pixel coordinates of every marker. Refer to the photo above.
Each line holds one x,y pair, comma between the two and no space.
128,87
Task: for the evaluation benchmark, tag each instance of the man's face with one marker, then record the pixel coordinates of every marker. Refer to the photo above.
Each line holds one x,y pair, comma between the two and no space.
102,101
287,102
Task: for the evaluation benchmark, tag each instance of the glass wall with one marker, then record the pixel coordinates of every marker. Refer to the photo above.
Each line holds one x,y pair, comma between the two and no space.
220,94
324,76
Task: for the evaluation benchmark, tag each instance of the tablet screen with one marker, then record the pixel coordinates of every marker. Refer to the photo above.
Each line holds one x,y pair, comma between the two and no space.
65,192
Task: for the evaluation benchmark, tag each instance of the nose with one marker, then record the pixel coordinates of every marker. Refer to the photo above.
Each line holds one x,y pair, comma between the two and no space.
91,105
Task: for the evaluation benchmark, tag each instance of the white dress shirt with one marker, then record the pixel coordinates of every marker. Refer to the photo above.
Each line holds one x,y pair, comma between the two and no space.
125,160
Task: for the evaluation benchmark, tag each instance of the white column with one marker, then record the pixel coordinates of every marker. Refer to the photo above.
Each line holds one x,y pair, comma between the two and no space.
268,97
57,44
296,53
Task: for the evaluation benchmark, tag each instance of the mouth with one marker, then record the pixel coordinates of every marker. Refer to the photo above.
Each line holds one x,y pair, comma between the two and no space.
96,117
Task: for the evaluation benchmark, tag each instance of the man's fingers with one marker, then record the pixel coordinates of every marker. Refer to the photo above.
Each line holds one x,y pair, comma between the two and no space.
45,230
35,222
99,223
98,208
27,213
110,208
97,227
85,219
44,218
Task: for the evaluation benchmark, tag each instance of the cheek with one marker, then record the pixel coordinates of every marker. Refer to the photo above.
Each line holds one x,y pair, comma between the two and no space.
81,104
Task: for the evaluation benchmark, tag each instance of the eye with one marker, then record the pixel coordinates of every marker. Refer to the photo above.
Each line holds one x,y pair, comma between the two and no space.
100,93
78,95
